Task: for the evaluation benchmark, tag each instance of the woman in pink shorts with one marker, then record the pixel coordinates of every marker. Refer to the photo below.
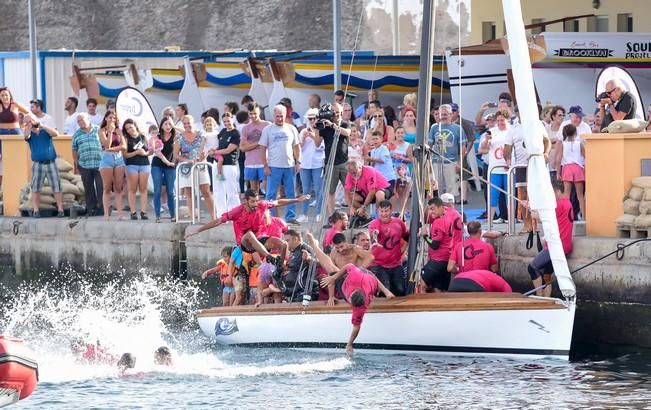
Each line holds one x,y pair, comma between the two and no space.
570,164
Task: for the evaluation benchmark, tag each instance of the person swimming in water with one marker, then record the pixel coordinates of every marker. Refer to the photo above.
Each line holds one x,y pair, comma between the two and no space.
163,356
127,361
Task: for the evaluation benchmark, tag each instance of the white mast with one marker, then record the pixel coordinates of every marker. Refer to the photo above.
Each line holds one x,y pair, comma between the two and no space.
541,195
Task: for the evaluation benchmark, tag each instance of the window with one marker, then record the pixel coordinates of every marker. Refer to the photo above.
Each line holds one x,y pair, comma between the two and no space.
571,26
625,22
598,23
488,31
537,30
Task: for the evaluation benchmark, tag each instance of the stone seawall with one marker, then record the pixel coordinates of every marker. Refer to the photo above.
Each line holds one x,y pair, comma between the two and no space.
614,296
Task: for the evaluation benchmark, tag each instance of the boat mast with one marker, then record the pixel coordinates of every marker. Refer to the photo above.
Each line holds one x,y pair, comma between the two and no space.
541,195
424,96
336,40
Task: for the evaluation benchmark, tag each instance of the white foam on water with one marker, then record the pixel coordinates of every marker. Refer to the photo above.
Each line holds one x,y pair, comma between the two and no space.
127,315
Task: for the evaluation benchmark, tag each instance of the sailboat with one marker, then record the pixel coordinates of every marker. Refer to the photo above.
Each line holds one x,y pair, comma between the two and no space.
475,324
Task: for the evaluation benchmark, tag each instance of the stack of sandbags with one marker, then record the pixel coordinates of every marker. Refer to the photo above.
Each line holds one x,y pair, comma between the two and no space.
637,205
71,186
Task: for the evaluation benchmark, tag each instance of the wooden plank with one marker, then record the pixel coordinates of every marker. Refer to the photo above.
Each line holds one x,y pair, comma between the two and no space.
414,303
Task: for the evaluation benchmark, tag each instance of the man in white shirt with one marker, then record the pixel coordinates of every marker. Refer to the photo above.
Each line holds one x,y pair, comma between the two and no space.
70,125
36,106
576,119
282,158
91,109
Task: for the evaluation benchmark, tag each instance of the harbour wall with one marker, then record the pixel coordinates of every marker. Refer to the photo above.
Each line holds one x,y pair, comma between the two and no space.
614,296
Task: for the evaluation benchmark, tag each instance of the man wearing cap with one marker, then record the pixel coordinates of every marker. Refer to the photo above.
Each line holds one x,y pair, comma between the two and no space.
454,219
576,119
36,106
620,104
340,150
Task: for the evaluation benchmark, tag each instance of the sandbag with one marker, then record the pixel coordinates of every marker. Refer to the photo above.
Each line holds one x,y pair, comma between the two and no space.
63,165
642,182
626,126
632,207
68,176
643,221
636,193
645,207
47,199
626,219
68,188
69,197
76,179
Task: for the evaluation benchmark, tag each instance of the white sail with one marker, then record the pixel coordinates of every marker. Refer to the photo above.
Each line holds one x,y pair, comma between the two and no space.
190,93
541,195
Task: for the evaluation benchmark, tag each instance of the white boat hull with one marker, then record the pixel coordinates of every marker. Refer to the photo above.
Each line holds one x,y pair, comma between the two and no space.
523,333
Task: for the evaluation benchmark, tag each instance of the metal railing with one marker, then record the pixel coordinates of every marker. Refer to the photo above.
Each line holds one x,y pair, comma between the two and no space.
511,198
489,187
195,191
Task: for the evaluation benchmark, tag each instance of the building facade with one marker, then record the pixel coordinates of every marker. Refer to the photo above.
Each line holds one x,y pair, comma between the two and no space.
487,19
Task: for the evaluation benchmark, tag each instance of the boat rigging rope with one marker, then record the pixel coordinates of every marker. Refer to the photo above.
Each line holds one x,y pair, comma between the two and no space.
619,254
307,290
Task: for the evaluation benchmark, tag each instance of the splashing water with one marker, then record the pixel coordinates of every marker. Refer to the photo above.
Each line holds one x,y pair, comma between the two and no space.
135,314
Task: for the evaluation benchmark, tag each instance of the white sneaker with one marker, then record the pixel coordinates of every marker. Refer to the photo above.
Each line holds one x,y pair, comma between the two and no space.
313,203
318,218
302,218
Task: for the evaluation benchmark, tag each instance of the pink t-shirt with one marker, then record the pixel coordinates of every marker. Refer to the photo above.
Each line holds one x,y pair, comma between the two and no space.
565,220
369,179
245,220
456,224
477,255
387,252
366,282
251,133
487,280
276,228
440,231
327,240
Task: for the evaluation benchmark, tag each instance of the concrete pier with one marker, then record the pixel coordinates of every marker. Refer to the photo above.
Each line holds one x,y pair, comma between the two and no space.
614,296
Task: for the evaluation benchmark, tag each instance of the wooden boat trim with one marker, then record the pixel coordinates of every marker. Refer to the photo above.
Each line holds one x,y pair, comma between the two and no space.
420,303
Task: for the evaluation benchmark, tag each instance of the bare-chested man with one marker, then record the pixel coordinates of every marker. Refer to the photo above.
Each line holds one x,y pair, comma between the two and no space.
342,254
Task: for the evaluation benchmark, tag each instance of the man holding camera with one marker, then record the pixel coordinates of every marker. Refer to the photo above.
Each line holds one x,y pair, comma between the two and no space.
620,103
39,137
326,130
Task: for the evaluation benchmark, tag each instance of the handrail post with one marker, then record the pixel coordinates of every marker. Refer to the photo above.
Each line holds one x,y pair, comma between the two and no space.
489,185
195,190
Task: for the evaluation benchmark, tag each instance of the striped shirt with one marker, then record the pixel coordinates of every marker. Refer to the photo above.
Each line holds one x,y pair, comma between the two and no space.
88,147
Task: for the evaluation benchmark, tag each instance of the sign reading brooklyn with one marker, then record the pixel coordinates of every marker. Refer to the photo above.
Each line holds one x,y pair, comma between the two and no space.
583,52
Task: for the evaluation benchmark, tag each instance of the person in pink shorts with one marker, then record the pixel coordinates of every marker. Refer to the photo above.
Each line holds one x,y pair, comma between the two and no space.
570,164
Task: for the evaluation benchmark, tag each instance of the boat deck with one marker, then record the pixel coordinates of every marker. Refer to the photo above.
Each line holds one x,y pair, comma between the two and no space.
412,303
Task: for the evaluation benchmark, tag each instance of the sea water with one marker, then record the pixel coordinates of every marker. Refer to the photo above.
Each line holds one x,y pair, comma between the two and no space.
137,314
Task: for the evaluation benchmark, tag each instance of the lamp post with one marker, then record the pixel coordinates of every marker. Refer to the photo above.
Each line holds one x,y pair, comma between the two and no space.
33,51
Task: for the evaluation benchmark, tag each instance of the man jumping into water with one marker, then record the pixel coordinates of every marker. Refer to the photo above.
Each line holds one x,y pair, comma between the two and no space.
249,217
358,286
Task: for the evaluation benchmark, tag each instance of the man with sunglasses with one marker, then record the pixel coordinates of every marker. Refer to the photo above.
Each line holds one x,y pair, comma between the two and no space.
620,104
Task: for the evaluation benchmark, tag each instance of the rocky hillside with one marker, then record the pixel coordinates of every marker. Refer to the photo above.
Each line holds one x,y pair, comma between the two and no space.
196,25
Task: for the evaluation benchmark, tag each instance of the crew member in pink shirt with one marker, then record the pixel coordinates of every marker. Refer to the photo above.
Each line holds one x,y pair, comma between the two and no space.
389,236
436,277
479,281
473,253
358,286
454,218
364,186
541,266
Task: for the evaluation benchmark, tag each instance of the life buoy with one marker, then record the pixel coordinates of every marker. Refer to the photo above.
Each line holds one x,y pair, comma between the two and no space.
18,369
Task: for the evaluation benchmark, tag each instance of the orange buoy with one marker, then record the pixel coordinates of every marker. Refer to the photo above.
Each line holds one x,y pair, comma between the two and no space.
18,369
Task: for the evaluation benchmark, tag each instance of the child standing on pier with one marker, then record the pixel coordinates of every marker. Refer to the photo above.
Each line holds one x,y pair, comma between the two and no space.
225,270
570,164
